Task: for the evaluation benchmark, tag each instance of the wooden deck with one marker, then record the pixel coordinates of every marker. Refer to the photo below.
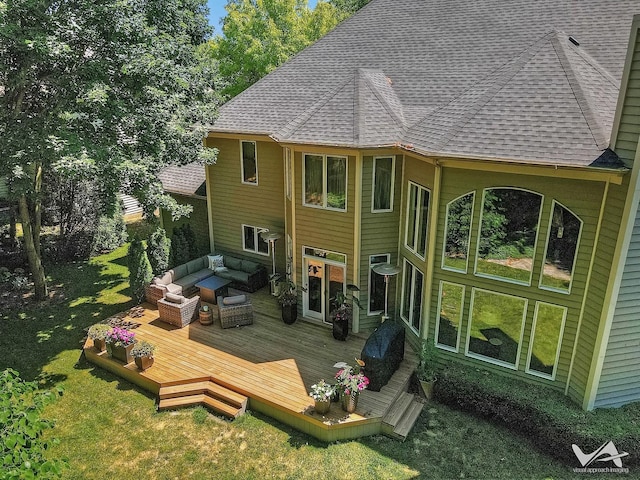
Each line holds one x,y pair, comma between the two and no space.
271,363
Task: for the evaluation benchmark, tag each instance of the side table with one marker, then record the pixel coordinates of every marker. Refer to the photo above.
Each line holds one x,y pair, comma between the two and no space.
205,318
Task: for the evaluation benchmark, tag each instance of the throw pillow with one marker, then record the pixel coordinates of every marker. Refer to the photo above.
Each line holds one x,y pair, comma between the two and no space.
215,261
237,300
173,298
220,269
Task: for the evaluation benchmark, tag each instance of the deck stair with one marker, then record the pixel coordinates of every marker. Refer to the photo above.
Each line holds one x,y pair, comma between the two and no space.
401,417
207,393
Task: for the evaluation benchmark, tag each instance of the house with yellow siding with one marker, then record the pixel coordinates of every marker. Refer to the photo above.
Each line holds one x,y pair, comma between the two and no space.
488,149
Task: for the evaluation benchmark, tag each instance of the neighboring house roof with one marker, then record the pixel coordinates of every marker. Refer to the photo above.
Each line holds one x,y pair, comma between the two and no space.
480,79
187,179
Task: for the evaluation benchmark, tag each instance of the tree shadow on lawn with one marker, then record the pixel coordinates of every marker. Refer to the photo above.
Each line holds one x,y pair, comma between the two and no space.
35,334
108,377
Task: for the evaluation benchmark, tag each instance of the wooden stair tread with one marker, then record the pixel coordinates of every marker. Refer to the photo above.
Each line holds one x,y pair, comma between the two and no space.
405,425
398,409
210,388
221,407
183,401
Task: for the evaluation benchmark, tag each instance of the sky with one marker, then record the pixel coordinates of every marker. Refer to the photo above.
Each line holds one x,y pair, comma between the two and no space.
217,11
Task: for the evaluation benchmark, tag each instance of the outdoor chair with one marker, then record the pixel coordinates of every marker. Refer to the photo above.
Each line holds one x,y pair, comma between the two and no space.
178,310
235,311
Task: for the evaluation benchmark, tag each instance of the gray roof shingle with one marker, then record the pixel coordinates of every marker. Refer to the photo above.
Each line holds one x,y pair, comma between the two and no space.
488,78
184,179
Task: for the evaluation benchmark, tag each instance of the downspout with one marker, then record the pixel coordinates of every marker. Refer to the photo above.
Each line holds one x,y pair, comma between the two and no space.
207,174
587,284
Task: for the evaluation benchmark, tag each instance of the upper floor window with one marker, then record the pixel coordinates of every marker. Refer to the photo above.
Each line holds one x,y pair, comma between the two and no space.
561,251
383,180
417,219
508,233
251,240
249,162
325,181
458,227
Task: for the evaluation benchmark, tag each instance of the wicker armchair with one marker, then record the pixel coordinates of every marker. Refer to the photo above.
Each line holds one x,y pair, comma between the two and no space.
235,315
178,314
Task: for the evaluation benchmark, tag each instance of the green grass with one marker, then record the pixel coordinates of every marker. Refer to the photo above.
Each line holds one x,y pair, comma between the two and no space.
108,428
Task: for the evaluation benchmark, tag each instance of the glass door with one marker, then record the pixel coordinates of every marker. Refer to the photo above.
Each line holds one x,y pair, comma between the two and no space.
314,296
335,279
324,277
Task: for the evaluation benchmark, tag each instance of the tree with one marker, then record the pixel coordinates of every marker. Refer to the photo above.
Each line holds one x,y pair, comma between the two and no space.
139,270
158,250
109,92
348,7
260,35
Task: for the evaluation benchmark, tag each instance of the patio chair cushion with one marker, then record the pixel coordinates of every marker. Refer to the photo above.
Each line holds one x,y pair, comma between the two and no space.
195,265
234,275
215,261
235,300
232,263
249,267
165,279
173,298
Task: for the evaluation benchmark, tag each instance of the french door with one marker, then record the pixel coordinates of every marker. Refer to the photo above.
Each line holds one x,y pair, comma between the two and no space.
324,276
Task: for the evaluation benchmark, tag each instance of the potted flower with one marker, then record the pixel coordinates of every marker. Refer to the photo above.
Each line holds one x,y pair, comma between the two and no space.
342,312
142,353
426,370
288,300
321,393
351,381
98,333
120,343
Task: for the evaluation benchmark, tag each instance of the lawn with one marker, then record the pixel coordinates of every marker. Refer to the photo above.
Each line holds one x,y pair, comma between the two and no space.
108,428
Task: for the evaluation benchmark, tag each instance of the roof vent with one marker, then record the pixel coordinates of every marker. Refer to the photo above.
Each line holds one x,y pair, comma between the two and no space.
574,41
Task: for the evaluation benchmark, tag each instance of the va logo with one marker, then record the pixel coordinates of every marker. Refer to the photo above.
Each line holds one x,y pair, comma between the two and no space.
607,452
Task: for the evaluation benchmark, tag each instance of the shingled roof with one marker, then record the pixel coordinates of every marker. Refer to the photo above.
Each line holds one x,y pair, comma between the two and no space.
528,81
184,179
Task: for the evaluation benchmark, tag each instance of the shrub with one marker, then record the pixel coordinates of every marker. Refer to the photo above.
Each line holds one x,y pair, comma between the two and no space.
22,449
110,233
548,418
139,270
158,250
183,245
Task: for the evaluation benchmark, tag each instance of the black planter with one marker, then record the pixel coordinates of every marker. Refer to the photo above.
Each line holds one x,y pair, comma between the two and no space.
340,329
289,313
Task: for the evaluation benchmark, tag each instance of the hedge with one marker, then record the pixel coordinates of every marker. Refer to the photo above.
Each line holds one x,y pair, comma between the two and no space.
550,420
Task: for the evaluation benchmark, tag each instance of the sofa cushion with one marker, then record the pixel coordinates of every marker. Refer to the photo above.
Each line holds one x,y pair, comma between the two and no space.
236,300
173,298
165,279
173,288
249,266
179,272
215,261
188,281
195,265
232,263
236,276
202,274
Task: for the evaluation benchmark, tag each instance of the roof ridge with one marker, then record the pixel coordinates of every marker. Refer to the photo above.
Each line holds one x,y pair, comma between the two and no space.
502,76
582,98
397,116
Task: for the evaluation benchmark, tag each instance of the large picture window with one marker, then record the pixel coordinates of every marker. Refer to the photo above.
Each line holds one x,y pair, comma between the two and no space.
496,327
376,284
561,251
417,219
411,307
249,162
508,232
251,240
325,181
457,237
383,180
450,316
546,338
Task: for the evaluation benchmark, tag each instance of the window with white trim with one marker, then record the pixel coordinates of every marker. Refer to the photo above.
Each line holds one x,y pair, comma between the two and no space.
252,241
376,284
325,181
412,294
450,305
249,162
457,233
417,219
496,326
546,338
383,184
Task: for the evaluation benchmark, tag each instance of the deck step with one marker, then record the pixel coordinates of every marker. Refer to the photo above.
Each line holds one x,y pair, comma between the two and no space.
400,419
209,394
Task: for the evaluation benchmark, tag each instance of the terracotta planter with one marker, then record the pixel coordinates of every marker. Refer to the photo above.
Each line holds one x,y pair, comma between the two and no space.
289,313
99,345
427,388
350,402
322,406
143,362
340,329
121,353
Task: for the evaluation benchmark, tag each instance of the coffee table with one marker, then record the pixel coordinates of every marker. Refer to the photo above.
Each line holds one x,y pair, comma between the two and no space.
211,287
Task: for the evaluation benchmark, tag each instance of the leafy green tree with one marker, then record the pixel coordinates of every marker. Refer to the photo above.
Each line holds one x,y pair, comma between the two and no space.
22,446
110,233
348,7
105,91
260,35
158,251
139,270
